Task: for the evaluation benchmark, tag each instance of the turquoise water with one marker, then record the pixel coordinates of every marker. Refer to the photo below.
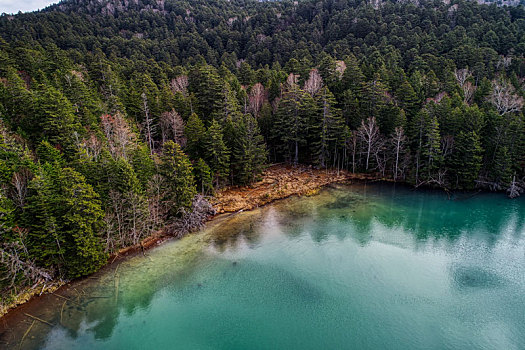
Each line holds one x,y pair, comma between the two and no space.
360,267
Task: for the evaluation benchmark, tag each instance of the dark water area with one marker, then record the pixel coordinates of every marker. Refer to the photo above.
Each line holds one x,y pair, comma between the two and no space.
355,267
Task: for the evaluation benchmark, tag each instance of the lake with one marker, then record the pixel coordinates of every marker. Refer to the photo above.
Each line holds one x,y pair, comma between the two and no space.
354,267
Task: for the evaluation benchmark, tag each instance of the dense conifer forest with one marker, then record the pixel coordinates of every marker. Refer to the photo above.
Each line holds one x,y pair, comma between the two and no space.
119,117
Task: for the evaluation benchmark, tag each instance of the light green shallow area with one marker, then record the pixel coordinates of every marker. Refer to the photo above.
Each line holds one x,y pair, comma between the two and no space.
355,267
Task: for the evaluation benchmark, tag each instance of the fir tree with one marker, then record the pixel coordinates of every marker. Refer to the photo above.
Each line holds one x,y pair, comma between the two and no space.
177,172
64,221
203,177
328,129
466,160
249,151
218,154
195,135
292,120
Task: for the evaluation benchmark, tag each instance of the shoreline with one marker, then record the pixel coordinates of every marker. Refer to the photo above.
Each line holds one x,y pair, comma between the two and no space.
278,182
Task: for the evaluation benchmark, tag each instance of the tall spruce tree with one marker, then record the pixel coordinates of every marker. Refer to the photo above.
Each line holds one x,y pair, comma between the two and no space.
218,154
292,120
195,134
64,220
327,129
466,160
179,183
249,151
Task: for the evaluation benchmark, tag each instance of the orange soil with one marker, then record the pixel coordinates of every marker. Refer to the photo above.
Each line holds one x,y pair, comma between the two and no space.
279,181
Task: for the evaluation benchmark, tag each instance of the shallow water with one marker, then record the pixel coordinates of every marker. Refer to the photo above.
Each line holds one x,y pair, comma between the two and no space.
361,267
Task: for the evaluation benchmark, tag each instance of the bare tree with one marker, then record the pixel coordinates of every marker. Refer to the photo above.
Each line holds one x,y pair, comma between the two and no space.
118,134
368,132
504,98
157,209
18,270
437,99
20,181
291,82
381,156
504,62
340,67
129,219
447,145
462,75
515,188
15,267
256,98
314,83
468,91
172,127
180,84
148,124
398,141
92,146
193,219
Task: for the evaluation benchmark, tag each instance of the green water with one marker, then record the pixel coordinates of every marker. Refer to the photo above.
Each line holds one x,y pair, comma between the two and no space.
362,267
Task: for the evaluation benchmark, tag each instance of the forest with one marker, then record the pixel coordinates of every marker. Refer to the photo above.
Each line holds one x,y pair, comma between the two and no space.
118,118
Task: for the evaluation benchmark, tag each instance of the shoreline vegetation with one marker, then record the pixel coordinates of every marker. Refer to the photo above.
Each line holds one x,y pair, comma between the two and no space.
279,181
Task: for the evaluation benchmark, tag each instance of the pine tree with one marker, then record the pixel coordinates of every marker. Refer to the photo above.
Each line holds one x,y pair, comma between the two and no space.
49,154
466,160
227,107
407,98
218,154
64,221
17,101
374,96
501,169
205,84
177,172
55,116
195,135
292,119
143,164
353,78
327,129
203,177
249,152
431,152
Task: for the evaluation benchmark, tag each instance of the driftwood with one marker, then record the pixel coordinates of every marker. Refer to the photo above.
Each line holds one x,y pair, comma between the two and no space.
39,319
193,219
62,311
66,298
116,288
17,267
26,333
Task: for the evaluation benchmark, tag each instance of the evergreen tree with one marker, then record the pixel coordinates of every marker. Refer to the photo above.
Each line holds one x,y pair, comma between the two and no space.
327,130
64,221
466,160
195,135
407,98
431,151
179,187
56,120
218,154
292,120
249,151
203,177
206,85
